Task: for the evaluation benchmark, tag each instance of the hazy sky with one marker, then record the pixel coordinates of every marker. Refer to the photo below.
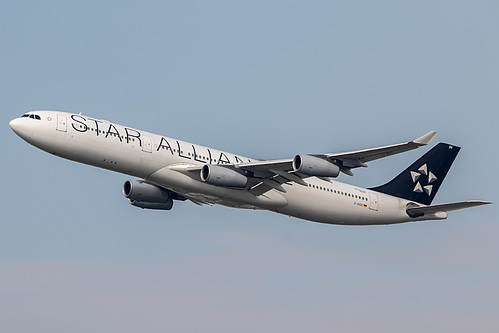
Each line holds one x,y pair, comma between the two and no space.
264,79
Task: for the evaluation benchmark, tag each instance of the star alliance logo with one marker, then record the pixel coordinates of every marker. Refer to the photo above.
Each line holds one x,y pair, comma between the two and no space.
416,175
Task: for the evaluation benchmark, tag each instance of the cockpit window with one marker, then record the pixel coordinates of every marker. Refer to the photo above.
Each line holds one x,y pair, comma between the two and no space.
31,116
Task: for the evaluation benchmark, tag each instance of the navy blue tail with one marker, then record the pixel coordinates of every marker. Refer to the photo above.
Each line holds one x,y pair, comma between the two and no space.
421,181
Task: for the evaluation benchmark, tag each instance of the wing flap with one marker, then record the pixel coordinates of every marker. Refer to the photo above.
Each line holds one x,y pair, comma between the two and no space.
268,166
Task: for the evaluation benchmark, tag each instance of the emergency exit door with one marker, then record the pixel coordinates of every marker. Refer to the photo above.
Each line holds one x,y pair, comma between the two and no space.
373,201
61,123
147,144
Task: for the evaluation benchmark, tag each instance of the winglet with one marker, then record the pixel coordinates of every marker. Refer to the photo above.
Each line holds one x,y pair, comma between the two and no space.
425,139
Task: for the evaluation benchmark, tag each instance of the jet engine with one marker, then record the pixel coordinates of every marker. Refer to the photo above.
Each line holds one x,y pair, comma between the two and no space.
220,176
314,166
145,195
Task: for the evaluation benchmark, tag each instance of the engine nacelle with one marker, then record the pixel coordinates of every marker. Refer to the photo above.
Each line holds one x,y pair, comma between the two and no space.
152,205
314,166
145,195
220,176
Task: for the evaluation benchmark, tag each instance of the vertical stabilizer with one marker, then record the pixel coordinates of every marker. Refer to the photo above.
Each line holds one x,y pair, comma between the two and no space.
421,181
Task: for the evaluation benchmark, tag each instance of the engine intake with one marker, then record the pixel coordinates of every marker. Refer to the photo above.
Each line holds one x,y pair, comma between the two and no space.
314,166
220,176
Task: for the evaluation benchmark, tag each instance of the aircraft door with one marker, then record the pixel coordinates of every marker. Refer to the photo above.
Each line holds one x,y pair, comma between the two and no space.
373,203
61,123
147,144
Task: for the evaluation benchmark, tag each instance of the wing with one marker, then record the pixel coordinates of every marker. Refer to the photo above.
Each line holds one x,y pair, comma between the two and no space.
266,175
282,171
358,158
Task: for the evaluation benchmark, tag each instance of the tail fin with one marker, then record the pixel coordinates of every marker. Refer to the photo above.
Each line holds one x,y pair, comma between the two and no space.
421,181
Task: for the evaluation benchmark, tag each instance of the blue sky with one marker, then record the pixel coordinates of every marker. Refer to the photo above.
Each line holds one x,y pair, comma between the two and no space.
266,80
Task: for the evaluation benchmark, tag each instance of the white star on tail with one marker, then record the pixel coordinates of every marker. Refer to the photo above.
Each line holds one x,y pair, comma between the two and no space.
416,175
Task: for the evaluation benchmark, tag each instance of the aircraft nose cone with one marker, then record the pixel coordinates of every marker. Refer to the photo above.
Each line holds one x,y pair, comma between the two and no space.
15,125
22,129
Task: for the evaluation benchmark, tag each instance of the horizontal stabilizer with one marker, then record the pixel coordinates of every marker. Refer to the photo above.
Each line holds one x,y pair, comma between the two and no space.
414,211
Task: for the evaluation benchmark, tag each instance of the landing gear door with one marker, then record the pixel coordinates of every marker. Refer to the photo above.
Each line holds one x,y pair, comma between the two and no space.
61,123
373,201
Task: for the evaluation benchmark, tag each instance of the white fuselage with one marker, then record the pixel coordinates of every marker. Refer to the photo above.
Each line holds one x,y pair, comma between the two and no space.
162,160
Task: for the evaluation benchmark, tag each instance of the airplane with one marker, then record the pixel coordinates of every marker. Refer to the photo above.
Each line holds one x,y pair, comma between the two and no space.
303,186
